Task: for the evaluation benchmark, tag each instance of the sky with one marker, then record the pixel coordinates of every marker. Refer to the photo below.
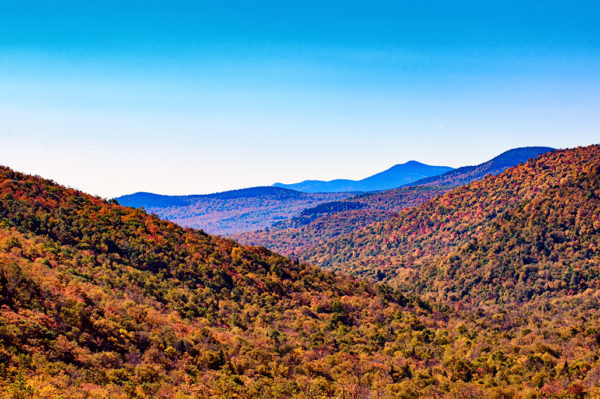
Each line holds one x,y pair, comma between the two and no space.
191,97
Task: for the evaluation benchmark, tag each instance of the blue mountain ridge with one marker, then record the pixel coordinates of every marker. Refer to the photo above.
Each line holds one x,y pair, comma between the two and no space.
396,176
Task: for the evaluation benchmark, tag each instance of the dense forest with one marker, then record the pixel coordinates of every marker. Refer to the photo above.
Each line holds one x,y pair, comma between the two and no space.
102,301
532,230
298,235
107,301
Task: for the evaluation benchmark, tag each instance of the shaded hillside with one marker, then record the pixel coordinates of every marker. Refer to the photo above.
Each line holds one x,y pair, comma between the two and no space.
393,177
230,211
531,230
317,225
497,165
102,301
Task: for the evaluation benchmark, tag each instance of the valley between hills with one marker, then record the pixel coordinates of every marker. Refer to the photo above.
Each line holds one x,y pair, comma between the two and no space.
480,282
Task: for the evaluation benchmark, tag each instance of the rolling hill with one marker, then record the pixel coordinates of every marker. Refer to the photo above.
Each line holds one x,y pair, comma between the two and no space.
102,301
396,176
533,230
326,221
230,211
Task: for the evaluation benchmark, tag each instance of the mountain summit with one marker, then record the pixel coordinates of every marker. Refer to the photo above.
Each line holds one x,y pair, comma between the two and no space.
396,176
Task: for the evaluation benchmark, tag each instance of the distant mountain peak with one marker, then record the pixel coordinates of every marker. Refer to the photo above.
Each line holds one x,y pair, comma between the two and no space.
395,176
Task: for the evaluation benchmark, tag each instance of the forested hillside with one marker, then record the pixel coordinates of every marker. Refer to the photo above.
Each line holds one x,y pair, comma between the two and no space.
98,299
293,237
102,301
317,225
229,212
533,230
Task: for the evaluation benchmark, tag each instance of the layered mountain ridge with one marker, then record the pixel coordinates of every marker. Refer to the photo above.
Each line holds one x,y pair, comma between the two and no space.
229,212
100,300
533,229
317,225
396,176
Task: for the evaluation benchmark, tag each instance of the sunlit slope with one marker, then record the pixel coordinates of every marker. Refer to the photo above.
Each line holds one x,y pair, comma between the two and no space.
324,222
534,229
98,300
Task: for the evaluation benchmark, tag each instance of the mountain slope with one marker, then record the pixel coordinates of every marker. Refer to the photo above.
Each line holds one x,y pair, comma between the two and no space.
102,301
494,166
326,221
97,299
393,177
549,243
315,226
230,211
536,223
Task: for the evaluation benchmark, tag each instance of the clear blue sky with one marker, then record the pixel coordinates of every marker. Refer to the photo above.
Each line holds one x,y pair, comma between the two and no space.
179,97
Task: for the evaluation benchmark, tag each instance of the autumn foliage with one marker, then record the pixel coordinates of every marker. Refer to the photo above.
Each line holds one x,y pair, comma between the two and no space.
533,230
298,235
102,301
